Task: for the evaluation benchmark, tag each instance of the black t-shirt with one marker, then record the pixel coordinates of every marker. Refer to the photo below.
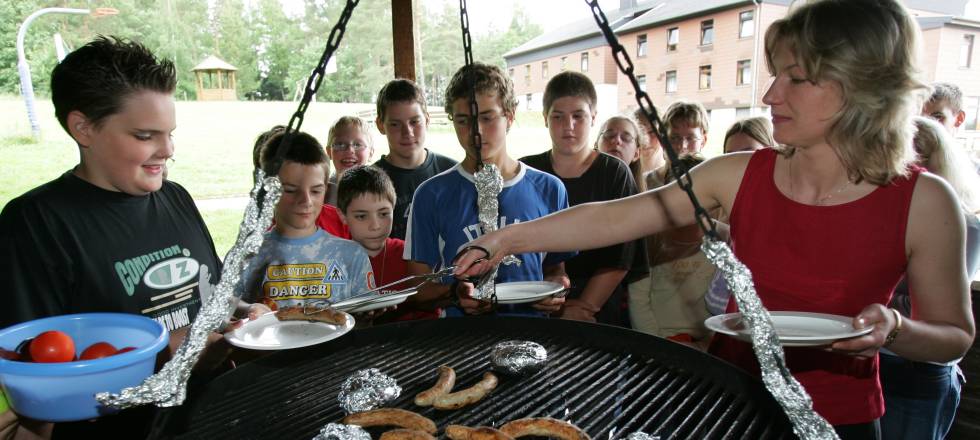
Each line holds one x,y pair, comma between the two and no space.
71,247
608,178
406,181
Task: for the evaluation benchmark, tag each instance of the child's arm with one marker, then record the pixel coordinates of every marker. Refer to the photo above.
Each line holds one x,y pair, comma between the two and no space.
600,286
431,292
556,274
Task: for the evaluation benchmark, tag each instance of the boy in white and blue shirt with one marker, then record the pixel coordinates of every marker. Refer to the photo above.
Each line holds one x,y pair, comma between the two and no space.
444,214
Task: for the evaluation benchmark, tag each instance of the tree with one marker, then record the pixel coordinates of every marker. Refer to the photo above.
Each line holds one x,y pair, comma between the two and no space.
234,42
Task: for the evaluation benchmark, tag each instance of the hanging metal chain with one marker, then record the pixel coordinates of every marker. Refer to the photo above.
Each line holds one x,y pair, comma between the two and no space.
476,141
679,169
313,83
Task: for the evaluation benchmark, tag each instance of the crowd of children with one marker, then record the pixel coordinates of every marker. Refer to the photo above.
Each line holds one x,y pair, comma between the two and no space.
83,241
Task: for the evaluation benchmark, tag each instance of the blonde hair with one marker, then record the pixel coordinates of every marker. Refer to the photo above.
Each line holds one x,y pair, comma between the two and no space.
350,122
870,48
757,128
628,120
938,153
693,113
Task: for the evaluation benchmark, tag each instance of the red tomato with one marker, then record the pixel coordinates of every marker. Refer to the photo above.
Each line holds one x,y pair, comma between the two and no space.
52,346
125,349
97,350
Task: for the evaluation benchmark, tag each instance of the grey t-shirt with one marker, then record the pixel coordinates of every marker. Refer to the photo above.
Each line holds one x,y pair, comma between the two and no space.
292,271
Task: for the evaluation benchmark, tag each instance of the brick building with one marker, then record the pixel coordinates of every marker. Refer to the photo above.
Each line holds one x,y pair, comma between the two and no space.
711,51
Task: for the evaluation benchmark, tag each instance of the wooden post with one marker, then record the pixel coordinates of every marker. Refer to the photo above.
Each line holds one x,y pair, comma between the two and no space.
403,37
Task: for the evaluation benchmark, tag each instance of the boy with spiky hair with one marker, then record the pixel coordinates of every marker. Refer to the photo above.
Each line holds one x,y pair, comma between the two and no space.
445,217
112,234
404,120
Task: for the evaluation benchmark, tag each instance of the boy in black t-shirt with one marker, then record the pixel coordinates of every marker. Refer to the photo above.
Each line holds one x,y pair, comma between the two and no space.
597,275
404,120
111,234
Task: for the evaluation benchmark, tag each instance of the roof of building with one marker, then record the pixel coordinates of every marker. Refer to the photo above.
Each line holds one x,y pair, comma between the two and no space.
584,28
651,13
213,63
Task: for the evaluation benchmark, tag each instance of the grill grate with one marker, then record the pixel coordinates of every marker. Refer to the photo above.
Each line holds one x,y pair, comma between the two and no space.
609,381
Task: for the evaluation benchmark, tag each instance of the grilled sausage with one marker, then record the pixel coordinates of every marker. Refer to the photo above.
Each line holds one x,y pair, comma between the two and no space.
459,432
467,396
406,434
391,417
445,383
327,315
544,427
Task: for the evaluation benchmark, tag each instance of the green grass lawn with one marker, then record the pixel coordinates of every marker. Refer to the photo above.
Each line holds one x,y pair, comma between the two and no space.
213,143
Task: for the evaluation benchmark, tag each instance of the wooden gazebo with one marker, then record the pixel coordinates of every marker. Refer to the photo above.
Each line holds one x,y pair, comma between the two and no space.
215,80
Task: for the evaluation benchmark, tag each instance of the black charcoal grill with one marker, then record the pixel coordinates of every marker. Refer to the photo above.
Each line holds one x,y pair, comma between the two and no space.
609,381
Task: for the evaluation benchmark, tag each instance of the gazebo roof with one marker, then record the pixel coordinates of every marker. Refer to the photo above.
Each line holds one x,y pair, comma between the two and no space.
213,63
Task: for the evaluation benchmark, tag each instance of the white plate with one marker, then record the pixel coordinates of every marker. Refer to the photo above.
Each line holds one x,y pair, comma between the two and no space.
795,329
382,301
519,292
269,333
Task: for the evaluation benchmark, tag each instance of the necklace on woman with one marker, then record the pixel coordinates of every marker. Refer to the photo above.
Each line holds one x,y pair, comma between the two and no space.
821,200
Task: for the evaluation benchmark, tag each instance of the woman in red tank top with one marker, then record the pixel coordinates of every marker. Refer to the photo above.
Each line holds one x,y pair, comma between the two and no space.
827,222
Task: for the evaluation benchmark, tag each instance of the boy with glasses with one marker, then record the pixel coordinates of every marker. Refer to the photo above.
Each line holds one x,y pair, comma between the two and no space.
349,144
444,216
404,120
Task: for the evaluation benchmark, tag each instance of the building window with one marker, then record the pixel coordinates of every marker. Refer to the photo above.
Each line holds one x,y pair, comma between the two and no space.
585,62
528,100
971,105
743,112
642,80
746,24
966,51
704,79
673,36
527,75
641,46
564,63
744,74
510,73
544,69
671,82
707,32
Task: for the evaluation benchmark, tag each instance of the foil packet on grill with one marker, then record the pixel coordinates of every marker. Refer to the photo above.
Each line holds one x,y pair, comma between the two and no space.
340,431
518,358
366,390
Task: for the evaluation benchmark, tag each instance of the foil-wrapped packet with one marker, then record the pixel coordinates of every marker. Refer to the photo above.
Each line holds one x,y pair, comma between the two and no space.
518,357
642,436
340,431
366,390
489,183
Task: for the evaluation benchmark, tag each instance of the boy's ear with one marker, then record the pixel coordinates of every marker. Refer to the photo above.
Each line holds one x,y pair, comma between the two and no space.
343,216
380,124
80,128
959,118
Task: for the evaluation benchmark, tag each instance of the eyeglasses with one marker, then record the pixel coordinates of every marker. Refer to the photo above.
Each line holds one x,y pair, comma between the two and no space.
623,136
680,140
344,146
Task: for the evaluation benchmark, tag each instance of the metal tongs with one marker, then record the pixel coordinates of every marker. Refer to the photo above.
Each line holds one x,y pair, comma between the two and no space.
370,295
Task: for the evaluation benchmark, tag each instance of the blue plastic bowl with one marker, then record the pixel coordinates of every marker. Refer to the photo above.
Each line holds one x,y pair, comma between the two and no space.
61,392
